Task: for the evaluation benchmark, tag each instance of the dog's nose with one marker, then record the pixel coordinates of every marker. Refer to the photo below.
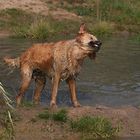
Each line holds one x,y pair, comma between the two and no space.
98,43
95,44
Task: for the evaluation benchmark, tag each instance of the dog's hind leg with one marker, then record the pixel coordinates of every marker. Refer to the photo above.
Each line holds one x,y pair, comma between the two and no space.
72,86
26,75
39,86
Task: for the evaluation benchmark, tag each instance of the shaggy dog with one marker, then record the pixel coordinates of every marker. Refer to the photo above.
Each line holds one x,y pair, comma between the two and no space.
58,61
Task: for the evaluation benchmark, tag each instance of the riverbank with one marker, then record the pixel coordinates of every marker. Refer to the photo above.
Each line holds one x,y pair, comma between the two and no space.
105,81
42,19
29,126
101,83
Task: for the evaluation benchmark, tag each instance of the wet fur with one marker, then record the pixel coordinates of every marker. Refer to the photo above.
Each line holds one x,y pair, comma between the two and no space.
59,61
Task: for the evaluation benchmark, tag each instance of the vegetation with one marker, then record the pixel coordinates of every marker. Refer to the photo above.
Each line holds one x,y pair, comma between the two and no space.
94,127
102,29
89,127
60,116
45,115
103,17
11,18
36,27
6,122
124,15
27,104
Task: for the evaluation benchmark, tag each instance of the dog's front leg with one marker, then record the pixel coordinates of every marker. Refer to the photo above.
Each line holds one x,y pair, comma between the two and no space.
72,86
55,84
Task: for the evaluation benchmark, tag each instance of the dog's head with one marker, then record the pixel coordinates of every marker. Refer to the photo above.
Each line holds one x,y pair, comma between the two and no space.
88,41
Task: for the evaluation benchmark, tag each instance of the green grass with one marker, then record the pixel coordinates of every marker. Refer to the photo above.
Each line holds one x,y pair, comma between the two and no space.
45,115
47,29
38,29
94,127
60,116
27,104
102,29
28,25
119,15
124,14
88,127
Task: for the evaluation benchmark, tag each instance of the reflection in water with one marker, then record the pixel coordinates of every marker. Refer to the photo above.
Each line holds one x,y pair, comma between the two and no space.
112,79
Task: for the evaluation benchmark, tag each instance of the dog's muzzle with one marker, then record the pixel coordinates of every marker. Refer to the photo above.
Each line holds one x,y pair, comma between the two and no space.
95,44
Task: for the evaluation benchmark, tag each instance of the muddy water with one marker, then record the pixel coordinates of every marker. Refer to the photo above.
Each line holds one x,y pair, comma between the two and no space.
113,79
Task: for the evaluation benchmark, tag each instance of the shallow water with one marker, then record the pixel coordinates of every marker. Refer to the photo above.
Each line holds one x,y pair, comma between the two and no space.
113,79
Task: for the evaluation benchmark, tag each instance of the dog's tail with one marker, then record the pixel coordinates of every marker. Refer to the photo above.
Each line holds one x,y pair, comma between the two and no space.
12,62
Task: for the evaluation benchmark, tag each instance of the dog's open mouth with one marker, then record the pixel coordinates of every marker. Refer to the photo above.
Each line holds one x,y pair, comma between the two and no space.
95,44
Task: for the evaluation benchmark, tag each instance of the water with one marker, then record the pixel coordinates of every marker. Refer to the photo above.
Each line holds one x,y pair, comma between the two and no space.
113,79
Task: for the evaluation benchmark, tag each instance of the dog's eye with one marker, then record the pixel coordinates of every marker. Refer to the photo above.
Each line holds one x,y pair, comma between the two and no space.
91,38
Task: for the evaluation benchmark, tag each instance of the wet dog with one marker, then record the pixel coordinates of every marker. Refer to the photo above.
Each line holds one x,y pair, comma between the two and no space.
58,61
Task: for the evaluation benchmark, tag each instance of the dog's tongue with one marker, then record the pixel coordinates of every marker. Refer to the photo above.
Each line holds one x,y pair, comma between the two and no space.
92,55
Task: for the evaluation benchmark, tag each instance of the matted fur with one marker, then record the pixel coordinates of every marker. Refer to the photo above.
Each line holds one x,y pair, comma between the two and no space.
59,61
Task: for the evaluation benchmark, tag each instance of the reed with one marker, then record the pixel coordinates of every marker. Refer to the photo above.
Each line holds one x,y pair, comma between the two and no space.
6,122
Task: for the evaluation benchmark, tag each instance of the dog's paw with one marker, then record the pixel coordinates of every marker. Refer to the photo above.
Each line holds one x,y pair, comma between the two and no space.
36,102
77,104
18,101
53,105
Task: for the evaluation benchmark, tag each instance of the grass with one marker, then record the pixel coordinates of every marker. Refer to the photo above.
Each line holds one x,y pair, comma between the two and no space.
60,116
119,15
102,29
94,127
124,14
39,29
28,25
89,127
6,121
45,115
46,28
27,104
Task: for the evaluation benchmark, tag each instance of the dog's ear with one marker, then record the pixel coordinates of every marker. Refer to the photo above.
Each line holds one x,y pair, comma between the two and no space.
82,29
81,32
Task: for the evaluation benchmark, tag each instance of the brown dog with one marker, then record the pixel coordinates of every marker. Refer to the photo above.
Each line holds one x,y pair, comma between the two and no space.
58,61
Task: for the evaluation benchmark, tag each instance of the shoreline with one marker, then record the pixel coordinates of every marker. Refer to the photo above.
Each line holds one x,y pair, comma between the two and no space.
126,116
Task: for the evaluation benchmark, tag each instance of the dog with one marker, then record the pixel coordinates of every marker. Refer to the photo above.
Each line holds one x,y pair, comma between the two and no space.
58,61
